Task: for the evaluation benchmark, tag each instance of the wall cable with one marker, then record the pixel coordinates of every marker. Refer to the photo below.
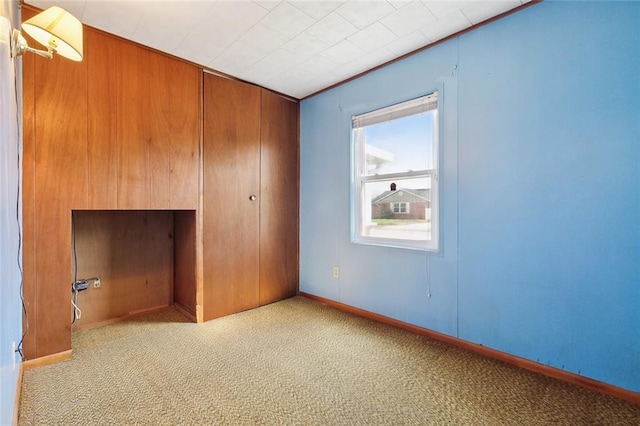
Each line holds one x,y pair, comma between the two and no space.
25,315
77,313
428,272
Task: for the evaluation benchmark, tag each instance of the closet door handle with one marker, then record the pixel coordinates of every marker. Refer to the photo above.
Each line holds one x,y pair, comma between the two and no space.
253,197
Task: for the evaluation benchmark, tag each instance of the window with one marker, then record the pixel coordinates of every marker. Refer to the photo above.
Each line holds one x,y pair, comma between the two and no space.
395,185
400,207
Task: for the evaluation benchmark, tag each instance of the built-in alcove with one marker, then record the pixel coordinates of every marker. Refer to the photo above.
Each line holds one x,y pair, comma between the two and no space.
145,260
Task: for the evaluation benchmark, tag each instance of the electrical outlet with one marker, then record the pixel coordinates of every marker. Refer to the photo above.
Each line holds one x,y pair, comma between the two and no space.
80,285
336,272
97,283
13,355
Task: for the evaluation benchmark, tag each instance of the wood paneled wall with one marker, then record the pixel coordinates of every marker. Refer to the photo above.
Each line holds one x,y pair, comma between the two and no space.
185,283
28,200
54,113
101,120
144,127
119,130
122,130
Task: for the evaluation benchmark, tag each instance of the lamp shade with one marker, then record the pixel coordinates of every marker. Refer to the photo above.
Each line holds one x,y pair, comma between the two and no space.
57,29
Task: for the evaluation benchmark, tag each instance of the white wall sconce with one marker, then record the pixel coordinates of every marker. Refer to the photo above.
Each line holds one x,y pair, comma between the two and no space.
56,29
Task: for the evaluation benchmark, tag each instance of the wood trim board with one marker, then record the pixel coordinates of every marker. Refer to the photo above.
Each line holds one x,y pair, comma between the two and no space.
18,395
46,360
517,361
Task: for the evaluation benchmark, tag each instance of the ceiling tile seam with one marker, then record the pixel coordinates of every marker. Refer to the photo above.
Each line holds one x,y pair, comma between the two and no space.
308,35
398,36
259,3
244,34
319,54
337,10
192,29
467,17
146,12
359,31
297,34
84,6
315,19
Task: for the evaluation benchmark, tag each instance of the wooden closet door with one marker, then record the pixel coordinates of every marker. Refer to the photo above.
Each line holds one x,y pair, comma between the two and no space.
279,201
231,177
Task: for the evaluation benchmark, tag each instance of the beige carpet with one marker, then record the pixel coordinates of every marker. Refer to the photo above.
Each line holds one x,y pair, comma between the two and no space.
295,362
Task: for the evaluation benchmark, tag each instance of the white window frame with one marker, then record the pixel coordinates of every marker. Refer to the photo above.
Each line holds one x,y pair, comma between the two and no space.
359,207
400,205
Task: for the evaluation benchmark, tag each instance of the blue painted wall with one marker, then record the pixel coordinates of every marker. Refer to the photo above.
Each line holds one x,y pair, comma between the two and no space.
541,191
10,306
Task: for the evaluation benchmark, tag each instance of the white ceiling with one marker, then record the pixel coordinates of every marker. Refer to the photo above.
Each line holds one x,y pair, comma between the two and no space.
295,47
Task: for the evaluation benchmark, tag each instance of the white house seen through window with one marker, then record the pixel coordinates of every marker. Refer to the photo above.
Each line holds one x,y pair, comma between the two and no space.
395,165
